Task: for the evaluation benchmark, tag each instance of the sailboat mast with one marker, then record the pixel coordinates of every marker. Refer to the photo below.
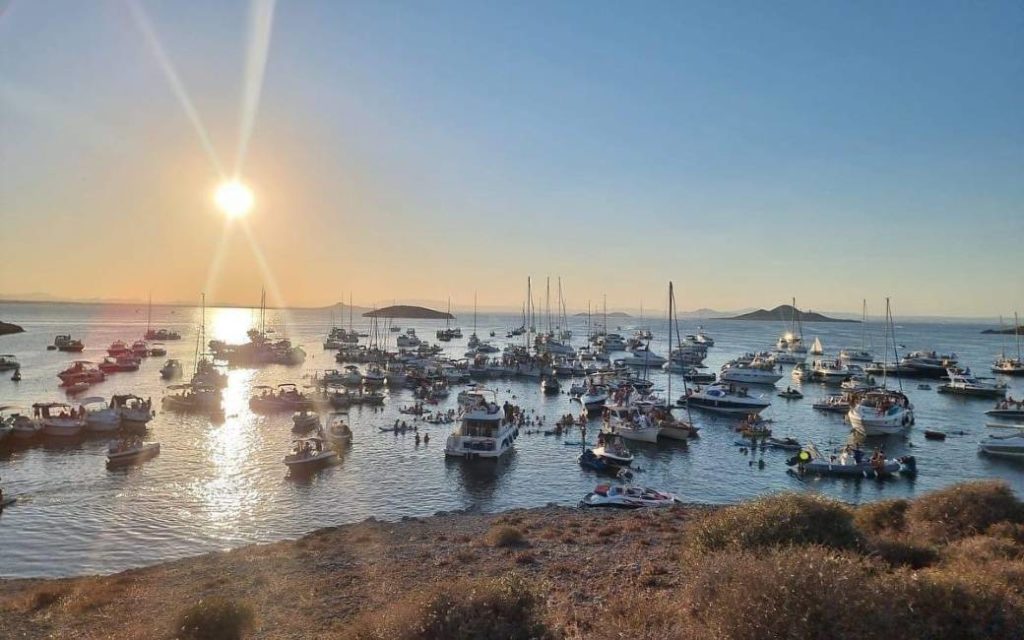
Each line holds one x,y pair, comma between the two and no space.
863,323
149,312
350,312
547,302
1016,331
474,313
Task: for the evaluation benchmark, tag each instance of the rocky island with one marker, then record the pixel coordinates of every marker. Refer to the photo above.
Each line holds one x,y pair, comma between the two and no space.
786,313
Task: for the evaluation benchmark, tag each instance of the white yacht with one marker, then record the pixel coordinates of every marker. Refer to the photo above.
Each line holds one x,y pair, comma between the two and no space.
483,431
99,417
594,398
725,399
627,422
880,412
830,372
856,355
927,364
59,419
309,454
963,383
643,357
758,371
1009,446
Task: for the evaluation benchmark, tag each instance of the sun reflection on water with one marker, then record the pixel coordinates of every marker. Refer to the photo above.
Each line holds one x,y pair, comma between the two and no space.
230,325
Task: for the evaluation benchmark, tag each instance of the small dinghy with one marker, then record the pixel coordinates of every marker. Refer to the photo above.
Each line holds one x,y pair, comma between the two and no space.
627,497
934,435
924,387
784,444
338,430
791,394
131,451
850,463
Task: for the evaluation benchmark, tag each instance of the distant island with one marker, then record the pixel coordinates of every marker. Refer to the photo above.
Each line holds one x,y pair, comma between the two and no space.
613,314
1008,331
6,328
784,312
408,311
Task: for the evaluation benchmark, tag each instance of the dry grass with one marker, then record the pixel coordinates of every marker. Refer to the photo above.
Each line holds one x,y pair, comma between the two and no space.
506,536
964,510
214,619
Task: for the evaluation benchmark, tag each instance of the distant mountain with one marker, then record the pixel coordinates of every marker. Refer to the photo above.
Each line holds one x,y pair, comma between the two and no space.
1007,331
6,328
613,314
784,313
408,311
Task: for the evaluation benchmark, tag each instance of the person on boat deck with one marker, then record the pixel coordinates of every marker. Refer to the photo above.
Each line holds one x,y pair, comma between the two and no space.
858,455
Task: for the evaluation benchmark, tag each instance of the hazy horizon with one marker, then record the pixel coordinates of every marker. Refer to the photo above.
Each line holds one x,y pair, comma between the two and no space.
748,152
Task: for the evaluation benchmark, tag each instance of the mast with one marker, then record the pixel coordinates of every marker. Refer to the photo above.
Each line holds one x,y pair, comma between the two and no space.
547,303
474,313
149,313
1016,332
350,312
892,332
863,323
605,314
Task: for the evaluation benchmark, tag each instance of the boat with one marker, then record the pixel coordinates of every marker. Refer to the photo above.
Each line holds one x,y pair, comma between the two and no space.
58,419
790,394
162,335
305,420
157,350
614,452
338,429
963,383
643,357
118,348
134,411
1008,410
757,371
9,362
373,377
816,348
830,372
131,451
782,444
140,349
833,403
927,364
68,344
484,431
192,398
1005,365
862,354
352,376
17,425
118,364
593,400
309,454
724,399
628,497
880,412
81,371
628,422
171,369
698,377
1008,446
851,463
703,338
589,460
286,397
550,385
99,417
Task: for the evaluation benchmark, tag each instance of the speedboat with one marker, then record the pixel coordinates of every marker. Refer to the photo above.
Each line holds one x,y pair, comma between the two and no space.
162,335
1007,409
171,369
614,452
81,371
157,349
58,419
643,357
594,398
589,460
627,497
309,454
337,429
483,432
189,397
68,344
303,421
9,362
116,364
830,372
834,403
725,399
626,421
1010,446
131,451
550,385
99,417
16,424
134,411
880,412
790,394
856,355
757,371
118,348
851,463
963,383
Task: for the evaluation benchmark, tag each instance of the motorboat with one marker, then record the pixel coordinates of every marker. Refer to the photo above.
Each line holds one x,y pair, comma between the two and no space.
830,372
550,385
927,364
9,362
338,429
594,398
193,398
207,374
834,403
59,419
758,371
699,377
118,348
1007,409
790,394
643,357
851,463
396,376
131,451
352,376
589,460
629,423
68,344
703,338
1008,366
157,350
724,399
614,452
82,370
140,349
628,497
16,424
880,412
963,383
309,454
162,335
374,377
286,397
99,416
788,357
171,369
856,355
1008,446
118,364
134,411
305,420
484,431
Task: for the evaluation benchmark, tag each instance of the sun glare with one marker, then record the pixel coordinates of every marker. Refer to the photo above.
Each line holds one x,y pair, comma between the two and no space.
234,199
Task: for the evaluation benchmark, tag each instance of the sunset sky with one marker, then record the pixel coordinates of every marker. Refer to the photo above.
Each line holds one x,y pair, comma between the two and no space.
750,151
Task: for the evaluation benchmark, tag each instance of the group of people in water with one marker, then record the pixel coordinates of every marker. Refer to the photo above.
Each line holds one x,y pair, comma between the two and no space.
1010,403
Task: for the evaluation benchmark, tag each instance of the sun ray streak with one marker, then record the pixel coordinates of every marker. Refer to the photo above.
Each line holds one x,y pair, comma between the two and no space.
275,293
142,20
261,22
218,257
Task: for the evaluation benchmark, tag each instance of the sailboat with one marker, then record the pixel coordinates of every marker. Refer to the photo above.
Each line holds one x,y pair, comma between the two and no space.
157,334
862,355
1010,366
816,348
881,411
793,340
671,427
473,341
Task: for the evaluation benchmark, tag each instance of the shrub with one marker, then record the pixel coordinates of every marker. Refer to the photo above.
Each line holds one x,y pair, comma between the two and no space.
901,553
506,536
964,509
783,519
215,619
470,610
874,518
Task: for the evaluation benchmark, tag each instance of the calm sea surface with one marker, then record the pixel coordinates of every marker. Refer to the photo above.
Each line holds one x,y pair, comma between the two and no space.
216,486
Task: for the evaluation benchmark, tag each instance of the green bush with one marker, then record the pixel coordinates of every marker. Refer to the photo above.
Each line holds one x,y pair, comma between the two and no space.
783,519
215,619
504,608
964,510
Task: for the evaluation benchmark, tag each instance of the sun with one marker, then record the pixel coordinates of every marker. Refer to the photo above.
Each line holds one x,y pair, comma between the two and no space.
234,199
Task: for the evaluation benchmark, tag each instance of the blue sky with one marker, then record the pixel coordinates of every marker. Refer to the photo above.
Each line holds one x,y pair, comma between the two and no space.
749,151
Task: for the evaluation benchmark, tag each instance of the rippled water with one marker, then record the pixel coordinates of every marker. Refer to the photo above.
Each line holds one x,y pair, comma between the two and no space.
215,486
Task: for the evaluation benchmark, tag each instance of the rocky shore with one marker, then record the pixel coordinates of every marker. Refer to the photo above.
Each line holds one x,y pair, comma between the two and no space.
949,565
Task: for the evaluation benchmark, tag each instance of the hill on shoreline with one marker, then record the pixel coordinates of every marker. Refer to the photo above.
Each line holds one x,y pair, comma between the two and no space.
408,311
613,314
6,328
1009,331
785,313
